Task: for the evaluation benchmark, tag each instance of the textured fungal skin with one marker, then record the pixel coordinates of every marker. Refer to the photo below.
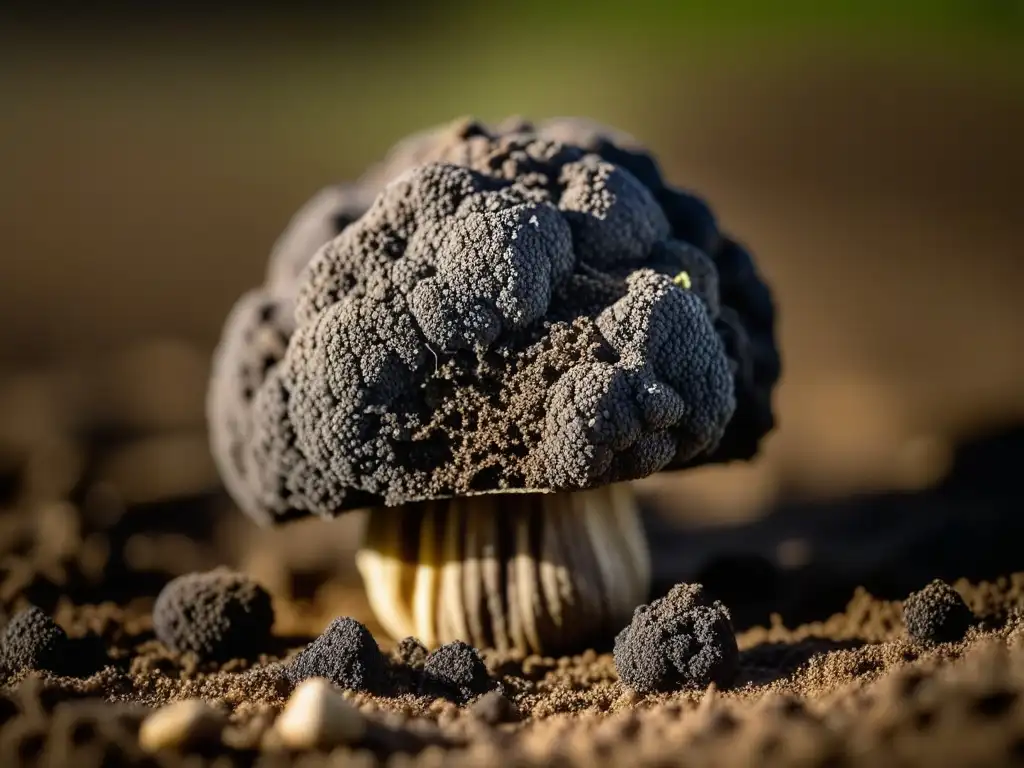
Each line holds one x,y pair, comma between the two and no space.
411,653
217,615
937,614
32,640
455,671
680,641
345,654
517,308
256,334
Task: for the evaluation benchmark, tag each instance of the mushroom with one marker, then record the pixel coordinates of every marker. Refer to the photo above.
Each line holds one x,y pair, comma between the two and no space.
502,328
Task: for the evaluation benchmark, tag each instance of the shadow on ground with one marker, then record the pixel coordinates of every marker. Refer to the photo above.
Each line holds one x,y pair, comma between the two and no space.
803,560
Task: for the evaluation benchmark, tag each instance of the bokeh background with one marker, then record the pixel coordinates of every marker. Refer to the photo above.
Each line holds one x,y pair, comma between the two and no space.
869,152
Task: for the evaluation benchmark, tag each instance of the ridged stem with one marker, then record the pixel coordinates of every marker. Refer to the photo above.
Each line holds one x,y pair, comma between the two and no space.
541,573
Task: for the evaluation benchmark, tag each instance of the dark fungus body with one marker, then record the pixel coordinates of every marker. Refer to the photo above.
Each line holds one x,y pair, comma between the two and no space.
680,641
936,614
481,340
216,615
33,640
345,654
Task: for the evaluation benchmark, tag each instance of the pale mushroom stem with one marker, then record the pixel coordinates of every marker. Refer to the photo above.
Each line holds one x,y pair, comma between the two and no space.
538,573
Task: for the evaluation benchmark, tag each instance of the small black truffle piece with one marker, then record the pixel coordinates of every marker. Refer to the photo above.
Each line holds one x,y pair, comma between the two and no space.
682,640
411,653
455,671
32,640
937,614
218,615
345,654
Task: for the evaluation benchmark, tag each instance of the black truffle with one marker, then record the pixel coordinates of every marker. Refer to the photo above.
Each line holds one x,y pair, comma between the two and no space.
623,333
936,614
347,655
411,653
682,640
217,615
455,671
32,640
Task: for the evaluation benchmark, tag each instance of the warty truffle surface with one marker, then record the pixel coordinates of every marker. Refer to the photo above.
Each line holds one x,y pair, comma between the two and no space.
455,671
937,614
681,641
217,615
518,308
33,640
345,654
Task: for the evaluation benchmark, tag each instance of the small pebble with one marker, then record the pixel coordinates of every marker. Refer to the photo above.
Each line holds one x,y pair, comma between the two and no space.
248,735
182,726
317,717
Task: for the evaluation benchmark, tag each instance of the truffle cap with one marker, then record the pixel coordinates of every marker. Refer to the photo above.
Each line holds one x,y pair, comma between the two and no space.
519,309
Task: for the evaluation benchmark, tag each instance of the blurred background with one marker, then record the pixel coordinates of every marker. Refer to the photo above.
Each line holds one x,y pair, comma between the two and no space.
870,153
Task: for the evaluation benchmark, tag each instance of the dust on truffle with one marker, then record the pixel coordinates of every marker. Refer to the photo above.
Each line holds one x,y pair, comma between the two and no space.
455,671
33,640
217,615
345,654
411,653
937,614
509,304
682,640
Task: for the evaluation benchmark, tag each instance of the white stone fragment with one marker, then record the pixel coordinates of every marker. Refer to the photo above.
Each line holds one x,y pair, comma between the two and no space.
181,726
317,717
